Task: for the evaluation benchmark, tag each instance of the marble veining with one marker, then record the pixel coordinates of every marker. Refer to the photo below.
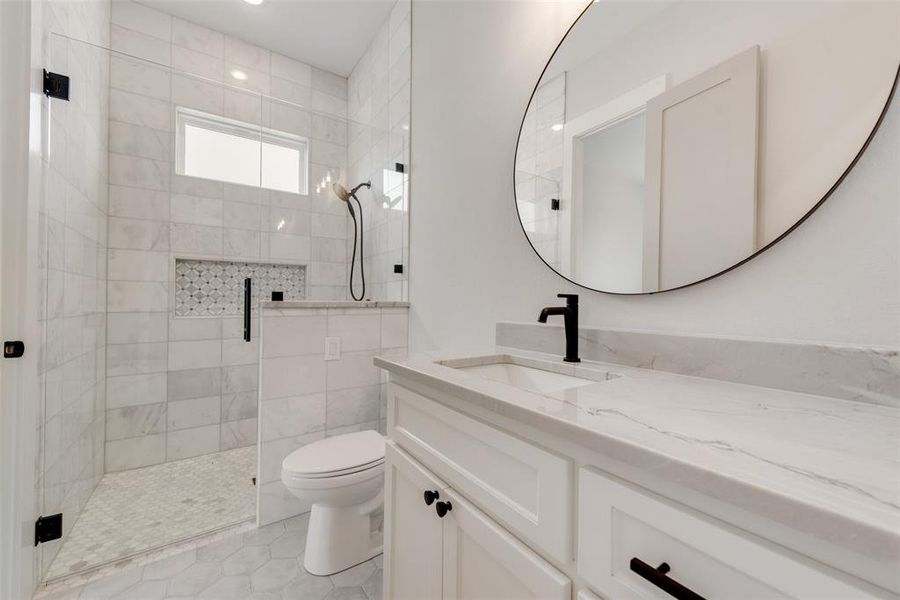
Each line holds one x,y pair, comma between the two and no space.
848,372
824,467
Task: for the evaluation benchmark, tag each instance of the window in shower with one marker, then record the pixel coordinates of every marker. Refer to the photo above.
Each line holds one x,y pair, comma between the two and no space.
214,147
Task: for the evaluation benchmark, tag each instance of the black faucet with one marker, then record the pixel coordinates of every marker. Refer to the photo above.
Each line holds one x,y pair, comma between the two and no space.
570,315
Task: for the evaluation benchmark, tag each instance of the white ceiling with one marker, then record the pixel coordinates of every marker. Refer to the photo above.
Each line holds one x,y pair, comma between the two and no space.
329,34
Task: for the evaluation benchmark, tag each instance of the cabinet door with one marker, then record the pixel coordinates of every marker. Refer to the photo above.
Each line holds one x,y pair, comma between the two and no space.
482,561
412,531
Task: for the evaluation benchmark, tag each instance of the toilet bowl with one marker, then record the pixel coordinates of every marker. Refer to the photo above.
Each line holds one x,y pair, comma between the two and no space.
342,477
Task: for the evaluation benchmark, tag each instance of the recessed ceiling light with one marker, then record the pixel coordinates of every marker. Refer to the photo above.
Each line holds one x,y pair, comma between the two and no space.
238,74
254,2
557,127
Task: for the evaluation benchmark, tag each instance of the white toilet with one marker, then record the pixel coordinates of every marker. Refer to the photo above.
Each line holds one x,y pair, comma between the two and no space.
343,478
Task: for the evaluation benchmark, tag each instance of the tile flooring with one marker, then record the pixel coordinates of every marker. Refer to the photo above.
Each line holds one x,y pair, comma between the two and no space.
134,511
261,564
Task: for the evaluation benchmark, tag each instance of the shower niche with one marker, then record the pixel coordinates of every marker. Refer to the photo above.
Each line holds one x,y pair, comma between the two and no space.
208,288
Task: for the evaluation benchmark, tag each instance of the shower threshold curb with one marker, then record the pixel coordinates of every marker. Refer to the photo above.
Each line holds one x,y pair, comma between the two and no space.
144,557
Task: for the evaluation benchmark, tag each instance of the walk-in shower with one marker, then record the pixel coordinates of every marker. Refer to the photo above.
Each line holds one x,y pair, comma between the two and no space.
169,181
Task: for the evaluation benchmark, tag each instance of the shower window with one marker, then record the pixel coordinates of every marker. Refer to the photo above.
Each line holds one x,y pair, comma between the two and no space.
214,147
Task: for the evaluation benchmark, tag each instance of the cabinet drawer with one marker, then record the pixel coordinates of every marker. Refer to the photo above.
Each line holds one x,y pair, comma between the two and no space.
525,487
618,523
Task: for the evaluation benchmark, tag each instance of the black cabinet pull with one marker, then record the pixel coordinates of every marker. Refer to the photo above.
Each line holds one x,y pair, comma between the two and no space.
658,577
430,497
442,508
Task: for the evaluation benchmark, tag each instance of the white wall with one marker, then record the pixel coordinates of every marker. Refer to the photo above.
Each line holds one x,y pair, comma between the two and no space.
836,279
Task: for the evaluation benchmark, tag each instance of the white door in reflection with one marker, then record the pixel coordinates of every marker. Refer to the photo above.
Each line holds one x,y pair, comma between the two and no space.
612,205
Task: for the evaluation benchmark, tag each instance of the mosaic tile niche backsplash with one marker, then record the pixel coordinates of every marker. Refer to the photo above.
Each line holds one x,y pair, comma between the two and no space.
207,288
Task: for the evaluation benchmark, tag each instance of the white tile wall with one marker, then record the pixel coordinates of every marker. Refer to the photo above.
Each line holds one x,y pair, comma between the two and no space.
378,105
539,168
304,398
197,367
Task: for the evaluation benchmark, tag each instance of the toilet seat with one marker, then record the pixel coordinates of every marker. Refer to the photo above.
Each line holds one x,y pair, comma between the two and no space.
304,481
335,457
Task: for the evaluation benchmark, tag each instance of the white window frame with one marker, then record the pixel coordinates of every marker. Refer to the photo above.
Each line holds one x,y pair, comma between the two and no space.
189,116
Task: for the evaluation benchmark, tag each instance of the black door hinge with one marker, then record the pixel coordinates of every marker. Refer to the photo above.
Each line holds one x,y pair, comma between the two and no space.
56,85
554,203
13,349
47,529
399,167
398,268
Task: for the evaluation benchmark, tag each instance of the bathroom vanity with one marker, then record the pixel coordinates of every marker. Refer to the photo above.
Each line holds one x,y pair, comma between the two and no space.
521,476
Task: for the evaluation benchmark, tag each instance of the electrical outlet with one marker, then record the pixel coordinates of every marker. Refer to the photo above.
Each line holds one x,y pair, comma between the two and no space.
332,348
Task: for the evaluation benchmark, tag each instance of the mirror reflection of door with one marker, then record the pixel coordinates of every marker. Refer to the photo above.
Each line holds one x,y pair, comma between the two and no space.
603,175
612,204
664,182
700,213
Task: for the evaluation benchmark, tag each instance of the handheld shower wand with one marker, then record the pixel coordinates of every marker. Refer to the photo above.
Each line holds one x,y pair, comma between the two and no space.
342,193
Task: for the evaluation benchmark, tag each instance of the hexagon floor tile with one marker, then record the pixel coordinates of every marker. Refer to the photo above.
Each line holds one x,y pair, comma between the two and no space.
262,564
134,511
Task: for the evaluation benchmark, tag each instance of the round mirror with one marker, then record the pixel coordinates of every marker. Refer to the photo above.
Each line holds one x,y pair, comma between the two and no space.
669,141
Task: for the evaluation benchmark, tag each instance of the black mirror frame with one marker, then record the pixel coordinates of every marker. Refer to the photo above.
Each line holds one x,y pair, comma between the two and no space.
809,213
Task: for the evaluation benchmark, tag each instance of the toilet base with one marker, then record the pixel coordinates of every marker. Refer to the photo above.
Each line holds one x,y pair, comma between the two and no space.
340,537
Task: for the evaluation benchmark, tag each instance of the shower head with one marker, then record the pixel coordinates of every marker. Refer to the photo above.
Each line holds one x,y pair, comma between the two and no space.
341,192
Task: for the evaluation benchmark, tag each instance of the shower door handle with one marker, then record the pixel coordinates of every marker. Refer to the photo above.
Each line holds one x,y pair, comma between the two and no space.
248,285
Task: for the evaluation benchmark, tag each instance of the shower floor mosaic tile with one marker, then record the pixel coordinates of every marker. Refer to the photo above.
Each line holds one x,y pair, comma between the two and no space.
134,511
260,564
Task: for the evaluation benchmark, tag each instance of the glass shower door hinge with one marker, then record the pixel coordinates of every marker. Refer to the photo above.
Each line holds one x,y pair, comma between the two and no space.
13,349
56,85
48,528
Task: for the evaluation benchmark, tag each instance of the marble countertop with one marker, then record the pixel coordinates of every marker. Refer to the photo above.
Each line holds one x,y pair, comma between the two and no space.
337,304
821,467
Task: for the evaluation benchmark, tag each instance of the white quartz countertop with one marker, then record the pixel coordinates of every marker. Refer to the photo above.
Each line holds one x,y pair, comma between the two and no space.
822,467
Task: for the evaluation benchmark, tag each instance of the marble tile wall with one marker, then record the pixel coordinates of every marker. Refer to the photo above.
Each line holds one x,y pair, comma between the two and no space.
304,398
72,263
180,386
539,164
848,372
379,139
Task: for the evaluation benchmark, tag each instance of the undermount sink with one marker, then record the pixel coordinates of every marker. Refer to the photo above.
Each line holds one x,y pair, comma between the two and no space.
531,378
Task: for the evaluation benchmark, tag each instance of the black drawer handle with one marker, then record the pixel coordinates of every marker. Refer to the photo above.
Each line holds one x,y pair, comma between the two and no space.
430,497
658,577
442,508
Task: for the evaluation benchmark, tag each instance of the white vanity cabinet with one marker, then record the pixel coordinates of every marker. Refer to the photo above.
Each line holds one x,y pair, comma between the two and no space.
461,555
527,515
